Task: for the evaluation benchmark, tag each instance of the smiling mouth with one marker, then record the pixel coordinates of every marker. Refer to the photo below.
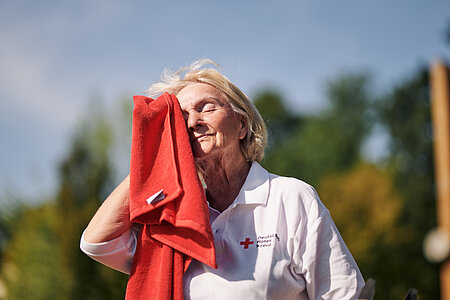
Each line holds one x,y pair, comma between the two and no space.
200,137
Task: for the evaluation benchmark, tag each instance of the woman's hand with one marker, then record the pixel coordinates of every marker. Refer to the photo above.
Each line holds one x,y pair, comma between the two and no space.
113,217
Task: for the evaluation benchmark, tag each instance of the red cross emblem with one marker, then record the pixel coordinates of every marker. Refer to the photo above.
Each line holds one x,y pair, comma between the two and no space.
246,243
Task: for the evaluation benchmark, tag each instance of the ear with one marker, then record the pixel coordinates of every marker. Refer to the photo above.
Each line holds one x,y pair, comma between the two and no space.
244,128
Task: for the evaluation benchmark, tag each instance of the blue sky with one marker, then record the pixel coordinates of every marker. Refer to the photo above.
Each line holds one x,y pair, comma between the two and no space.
54,54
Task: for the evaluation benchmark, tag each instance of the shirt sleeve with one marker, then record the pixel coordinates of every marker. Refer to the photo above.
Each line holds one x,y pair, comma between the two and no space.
329,269
117,254
321,257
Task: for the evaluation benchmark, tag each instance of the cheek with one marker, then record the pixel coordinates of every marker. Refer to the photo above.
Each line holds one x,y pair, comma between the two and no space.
229,132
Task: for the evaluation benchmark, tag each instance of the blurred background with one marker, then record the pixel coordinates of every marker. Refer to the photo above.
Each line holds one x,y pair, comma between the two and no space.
343,87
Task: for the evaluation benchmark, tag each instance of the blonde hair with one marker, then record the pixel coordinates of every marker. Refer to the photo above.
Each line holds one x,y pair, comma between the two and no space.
254,143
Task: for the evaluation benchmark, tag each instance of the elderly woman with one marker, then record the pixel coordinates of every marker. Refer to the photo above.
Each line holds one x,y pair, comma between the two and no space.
274,238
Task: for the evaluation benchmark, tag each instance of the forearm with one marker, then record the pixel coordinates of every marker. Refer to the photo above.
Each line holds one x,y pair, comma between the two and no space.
112,218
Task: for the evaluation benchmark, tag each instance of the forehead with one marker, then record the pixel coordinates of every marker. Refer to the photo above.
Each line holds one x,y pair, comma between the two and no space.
195,93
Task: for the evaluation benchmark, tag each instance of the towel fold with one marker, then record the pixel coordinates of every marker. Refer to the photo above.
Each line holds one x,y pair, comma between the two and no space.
166,196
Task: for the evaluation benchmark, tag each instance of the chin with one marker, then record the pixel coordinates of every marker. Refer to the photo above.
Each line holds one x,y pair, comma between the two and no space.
202,153
198,151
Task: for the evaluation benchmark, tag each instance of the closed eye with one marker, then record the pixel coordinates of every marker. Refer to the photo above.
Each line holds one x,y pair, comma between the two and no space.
209,107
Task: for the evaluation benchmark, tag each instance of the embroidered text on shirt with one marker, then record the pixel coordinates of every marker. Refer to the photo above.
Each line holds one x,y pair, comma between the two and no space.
267,240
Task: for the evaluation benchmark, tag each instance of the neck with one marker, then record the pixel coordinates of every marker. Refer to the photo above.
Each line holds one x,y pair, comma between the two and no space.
224,179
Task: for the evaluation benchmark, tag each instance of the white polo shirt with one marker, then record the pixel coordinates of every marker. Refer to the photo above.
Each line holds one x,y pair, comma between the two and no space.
275,241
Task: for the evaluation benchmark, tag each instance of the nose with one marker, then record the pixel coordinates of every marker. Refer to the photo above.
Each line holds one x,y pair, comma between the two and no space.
193,120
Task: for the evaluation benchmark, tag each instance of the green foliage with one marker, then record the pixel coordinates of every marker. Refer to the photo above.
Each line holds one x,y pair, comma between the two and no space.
330,141
406,114
42,259
375,207
85,181
279,120
365,207
31,257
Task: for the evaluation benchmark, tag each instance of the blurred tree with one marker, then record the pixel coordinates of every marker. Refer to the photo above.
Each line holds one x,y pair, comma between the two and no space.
31,268
12,209
365,207
330,141
9,216
4,235
279,120
85,181
43,259
406,114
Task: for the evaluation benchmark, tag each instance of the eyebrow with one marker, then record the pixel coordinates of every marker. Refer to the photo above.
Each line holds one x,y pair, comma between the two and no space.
208,99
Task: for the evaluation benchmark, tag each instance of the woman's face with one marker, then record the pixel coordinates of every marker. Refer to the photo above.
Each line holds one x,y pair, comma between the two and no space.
214,128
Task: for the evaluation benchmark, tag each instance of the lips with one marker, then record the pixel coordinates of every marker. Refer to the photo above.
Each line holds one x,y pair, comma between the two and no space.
200,137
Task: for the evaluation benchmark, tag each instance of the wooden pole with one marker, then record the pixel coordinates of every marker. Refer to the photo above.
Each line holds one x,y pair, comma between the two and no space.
440,108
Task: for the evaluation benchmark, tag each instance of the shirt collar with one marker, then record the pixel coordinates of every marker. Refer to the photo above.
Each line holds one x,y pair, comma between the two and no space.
256,187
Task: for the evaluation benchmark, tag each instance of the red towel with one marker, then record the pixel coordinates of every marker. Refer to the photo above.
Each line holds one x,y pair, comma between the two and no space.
176,224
